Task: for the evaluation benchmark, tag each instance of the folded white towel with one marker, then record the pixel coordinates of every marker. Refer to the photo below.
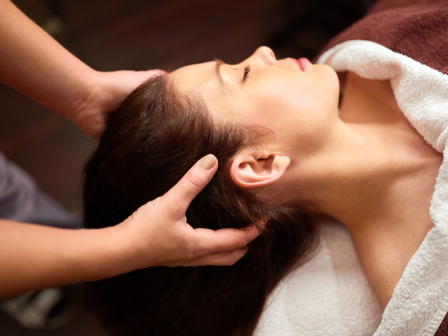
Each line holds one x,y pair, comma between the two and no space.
309,301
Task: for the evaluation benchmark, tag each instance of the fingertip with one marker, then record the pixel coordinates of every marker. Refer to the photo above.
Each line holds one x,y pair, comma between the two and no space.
237,255
156,73
191,184
243,251
161,72
252,232
224,259
208,162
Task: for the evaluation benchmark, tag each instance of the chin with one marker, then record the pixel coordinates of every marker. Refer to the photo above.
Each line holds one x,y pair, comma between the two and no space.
332,81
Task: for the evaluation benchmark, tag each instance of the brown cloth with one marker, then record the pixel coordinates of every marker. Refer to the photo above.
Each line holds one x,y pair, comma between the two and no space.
443,328
415,28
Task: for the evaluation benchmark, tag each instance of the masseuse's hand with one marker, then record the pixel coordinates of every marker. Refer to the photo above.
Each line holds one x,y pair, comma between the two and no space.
156,234
33,63
110,89
164,238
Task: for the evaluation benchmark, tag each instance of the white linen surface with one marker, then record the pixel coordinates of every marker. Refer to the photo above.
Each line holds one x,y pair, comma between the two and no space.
330,295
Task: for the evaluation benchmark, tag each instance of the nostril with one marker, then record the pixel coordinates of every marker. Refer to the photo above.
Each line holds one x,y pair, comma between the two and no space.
267,55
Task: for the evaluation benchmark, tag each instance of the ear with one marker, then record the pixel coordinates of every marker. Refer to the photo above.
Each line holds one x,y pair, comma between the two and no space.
250,170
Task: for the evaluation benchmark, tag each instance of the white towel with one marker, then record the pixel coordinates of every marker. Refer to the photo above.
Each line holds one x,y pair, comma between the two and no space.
329,295
300,306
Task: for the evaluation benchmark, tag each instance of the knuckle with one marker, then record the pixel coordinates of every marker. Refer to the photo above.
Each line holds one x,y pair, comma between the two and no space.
152,209
170,198
241,242
194,179
157,202
189,245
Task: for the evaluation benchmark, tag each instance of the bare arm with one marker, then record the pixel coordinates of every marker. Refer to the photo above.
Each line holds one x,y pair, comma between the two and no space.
34,256
33,63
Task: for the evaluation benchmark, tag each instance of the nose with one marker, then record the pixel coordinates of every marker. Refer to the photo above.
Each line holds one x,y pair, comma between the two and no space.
266,54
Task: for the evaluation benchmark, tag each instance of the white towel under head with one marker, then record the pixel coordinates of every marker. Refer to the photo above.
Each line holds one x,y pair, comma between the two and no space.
330,295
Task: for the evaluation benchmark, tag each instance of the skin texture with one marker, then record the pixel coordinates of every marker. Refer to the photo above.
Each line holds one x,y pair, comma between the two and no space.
370,174
36,65
57,256
276,94
366,167
33,63
149,143
386,243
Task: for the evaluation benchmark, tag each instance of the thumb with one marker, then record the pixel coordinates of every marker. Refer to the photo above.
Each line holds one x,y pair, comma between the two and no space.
190,185
148,74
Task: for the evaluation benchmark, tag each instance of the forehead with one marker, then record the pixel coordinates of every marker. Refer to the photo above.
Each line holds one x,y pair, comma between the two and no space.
201,80
194,77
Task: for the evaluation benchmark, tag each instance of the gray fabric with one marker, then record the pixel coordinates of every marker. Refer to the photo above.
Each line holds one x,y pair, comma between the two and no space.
21,200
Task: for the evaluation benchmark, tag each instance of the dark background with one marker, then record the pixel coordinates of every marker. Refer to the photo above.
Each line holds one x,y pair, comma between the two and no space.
146,34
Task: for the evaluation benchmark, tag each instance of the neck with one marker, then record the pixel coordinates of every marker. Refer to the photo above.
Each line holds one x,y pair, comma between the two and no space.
376,176
356,178
374,155
378,180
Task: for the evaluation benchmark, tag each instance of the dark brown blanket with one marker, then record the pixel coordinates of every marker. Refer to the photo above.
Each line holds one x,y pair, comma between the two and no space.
415,28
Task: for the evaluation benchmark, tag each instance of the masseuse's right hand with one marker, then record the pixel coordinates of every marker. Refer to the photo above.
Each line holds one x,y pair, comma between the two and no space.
163,237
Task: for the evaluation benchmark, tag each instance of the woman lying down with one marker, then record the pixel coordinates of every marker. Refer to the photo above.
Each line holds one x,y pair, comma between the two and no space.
287,154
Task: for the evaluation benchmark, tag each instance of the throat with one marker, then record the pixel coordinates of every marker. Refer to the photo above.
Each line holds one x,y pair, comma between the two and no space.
370,101
386,207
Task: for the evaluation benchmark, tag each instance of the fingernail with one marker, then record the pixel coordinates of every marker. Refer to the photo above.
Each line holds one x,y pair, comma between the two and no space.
208,162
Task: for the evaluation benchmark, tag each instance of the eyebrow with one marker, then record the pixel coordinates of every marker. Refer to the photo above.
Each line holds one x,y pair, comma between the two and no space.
217,67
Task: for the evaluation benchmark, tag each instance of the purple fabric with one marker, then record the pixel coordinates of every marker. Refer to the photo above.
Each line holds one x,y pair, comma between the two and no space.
21,200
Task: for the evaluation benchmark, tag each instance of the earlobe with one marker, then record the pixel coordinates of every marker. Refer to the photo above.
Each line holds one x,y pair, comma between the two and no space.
250,171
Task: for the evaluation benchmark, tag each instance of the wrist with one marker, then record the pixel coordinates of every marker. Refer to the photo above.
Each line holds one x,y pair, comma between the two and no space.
104,253
83,97
129,249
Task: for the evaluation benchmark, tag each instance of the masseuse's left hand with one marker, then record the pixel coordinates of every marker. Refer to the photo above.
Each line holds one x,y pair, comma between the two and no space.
161,236
109,91
33,63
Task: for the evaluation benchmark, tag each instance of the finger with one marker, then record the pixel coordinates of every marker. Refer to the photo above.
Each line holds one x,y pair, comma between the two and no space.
219,259
223,240
148,74
190,185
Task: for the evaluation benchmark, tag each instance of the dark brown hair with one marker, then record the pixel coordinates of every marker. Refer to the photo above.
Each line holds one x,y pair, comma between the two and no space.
149,144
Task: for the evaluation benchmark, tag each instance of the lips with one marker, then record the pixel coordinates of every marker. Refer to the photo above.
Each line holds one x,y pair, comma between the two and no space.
302,63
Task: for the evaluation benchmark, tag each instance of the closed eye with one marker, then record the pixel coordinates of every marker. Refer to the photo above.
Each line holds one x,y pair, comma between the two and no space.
246,73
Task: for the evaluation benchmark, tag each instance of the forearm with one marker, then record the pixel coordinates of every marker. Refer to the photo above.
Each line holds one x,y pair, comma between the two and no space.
33,63
34,256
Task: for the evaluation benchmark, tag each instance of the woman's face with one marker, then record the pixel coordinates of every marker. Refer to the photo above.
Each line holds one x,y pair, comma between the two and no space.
297,103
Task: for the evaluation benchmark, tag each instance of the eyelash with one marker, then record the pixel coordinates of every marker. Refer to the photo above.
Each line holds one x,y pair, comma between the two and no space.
246,72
